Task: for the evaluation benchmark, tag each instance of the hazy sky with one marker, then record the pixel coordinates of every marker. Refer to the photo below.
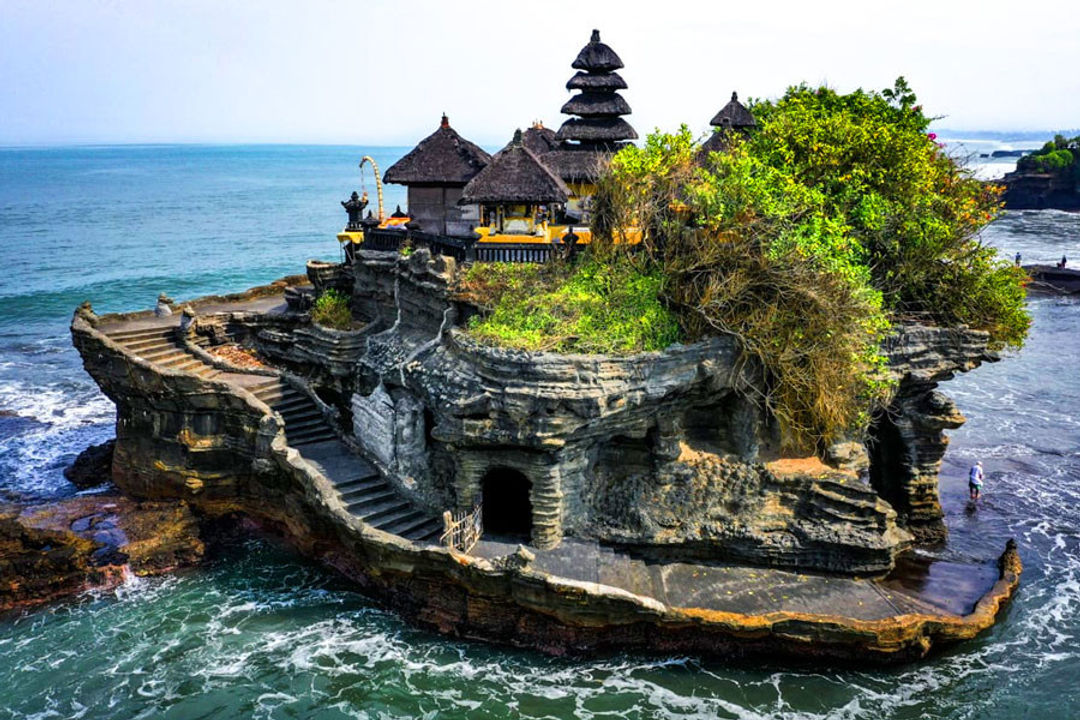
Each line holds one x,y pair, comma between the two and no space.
374,72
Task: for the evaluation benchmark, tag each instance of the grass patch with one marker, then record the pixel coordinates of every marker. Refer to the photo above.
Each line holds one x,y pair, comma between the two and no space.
582,306
332,310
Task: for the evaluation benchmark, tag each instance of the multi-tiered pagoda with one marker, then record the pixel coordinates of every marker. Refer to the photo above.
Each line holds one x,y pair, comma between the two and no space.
597,128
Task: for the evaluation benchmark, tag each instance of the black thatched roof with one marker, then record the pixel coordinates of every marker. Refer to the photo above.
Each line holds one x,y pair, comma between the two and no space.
591,104
515,175
442,158
734,115
596,129
602,81
578,164
596,56
538,139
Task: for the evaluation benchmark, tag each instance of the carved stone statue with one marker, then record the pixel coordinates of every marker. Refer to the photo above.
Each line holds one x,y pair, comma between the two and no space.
354,206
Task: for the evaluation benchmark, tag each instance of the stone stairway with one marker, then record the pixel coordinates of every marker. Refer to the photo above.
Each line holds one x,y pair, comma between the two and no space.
366,494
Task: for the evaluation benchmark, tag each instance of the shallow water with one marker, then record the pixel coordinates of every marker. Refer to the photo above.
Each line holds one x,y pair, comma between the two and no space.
261,633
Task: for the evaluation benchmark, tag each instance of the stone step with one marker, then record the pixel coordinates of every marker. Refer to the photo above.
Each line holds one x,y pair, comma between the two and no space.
430,532
188,366
119,335
408,523
389,519
303,418
354,480
301,426
379,512
364,483
181,359
162,354
296,401
367,495
321,435
148,344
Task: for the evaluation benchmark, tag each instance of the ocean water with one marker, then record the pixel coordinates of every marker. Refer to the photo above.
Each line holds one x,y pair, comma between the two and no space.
261,633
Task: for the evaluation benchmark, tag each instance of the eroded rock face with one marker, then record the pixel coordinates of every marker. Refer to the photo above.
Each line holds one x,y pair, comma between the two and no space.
68,546
722,508
907,444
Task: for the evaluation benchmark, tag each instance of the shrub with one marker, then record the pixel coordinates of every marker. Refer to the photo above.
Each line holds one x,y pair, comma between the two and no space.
332,310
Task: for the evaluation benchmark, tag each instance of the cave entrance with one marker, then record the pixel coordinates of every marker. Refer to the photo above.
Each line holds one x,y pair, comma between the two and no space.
886,450
507,509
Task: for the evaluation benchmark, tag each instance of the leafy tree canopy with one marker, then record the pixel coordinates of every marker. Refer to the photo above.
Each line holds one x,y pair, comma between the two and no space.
806,239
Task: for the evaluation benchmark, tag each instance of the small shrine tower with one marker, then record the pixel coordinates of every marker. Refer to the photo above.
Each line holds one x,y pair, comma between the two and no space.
733,117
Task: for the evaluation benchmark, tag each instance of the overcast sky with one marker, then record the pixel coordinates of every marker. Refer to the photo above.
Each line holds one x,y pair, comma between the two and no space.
374,72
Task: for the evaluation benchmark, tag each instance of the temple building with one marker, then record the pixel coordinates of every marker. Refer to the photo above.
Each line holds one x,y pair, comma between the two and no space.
533,194
517,194
733,117
435,172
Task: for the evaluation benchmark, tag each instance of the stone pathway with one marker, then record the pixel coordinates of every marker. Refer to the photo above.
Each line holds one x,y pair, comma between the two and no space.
365,492
918,585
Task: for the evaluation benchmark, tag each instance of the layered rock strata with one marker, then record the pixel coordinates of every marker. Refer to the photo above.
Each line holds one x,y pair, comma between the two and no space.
908,442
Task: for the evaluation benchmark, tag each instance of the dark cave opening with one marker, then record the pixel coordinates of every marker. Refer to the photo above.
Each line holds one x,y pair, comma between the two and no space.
507,508
886,449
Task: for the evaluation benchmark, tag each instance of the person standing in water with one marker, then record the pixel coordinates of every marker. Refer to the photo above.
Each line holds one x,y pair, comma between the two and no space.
975,480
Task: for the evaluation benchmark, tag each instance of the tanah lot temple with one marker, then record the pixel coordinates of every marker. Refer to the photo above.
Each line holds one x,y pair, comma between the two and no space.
570,503
531,198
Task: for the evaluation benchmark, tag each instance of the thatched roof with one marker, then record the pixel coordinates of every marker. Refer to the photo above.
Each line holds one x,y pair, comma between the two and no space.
589,104
515,175
538,139
601,81
578,164
596,129
596,56
734,115
442,158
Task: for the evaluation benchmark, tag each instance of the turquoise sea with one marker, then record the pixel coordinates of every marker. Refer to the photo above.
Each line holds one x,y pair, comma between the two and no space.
261,633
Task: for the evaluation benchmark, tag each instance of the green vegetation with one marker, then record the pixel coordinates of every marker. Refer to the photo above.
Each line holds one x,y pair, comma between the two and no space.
332,310
1056,156
805,240
585,306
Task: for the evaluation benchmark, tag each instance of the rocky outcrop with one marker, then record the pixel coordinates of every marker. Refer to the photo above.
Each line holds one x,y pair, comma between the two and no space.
907,442
719,508
68,546
93,466
1029,190
464,419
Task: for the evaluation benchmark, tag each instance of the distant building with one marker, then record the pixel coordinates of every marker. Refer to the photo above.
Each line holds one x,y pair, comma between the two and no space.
733,117
435,172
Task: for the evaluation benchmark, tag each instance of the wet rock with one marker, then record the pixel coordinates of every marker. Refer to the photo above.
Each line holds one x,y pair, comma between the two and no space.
93,466
62,548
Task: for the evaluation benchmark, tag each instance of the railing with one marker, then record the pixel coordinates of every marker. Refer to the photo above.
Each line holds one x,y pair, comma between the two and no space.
457,248
513,252
462,529
383,240
461,249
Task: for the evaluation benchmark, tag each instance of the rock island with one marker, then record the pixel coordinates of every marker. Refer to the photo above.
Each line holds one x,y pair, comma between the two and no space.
660,496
